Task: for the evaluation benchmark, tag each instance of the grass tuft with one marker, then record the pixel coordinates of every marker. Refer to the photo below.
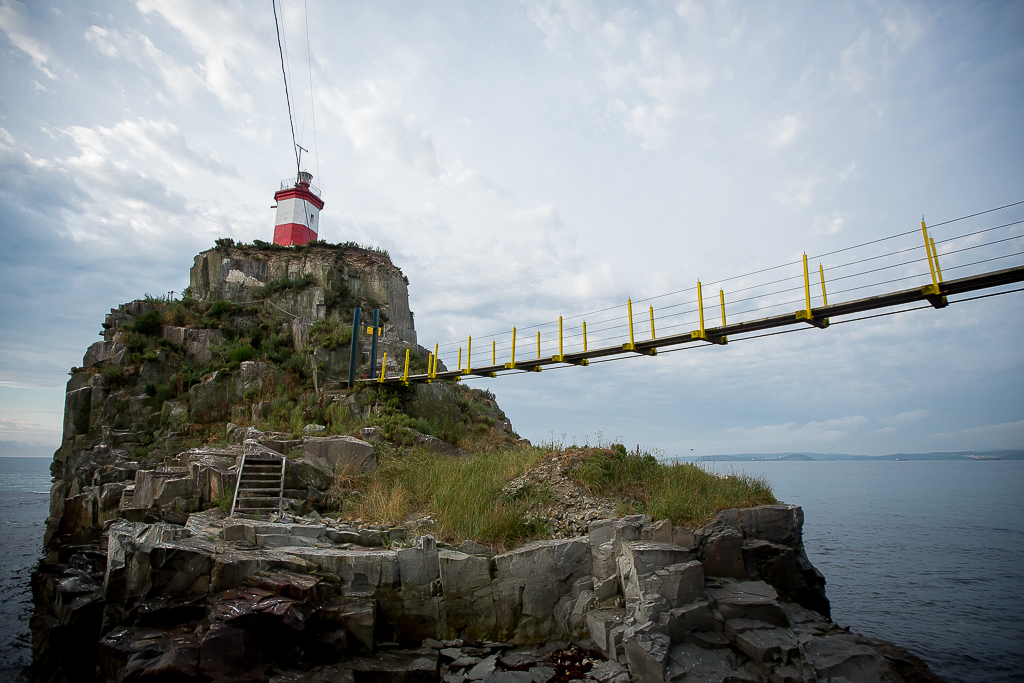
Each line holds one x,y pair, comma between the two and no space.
463,495
683,492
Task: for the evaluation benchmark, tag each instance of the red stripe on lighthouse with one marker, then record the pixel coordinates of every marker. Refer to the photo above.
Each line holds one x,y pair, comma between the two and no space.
293,233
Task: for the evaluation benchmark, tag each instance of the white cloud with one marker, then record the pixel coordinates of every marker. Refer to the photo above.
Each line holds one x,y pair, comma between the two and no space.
810,436
223,37
849,172
797,193
854,64
990,436
136,48
785,129
15,23
30,432
904,30
828,225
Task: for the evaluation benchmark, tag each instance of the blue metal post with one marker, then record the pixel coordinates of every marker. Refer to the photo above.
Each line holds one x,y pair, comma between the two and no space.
355,348
373,344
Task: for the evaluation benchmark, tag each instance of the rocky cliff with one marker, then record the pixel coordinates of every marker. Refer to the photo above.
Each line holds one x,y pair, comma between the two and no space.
149,577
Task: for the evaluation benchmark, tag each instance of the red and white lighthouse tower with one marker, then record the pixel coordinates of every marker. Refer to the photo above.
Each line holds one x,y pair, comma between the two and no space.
298,211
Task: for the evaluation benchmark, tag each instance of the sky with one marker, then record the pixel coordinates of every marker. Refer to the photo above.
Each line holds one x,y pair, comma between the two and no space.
525,160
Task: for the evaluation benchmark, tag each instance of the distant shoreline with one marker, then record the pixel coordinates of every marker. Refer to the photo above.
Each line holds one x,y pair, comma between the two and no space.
955,456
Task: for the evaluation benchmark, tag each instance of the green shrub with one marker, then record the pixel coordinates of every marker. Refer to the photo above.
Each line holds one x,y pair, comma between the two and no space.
224,243
329,334
165,392
239,354
148,323
284,283
220,308
113,376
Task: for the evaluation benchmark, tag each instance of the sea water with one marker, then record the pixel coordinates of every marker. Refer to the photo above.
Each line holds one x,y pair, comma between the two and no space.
24,505
927,554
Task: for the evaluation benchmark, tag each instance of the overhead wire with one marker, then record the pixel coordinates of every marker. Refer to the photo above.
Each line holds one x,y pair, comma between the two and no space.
312,107
284,73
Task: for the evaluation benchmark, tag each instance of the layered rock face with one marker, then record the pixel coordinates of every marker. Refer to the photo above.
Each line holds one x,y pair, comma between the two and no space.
238,275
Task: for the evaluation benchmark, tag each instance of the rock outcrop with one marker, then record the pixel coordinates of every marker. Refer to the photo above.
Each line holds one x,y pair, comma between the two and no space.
148,578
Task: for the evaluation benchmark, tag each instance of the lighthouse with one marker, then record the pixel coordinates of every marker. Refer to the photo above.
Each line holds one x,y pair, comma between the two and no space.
298,210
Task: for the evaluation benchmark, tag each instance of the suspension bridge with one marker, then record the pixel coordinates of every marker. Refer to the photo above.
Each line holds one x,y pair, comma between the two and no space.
687,317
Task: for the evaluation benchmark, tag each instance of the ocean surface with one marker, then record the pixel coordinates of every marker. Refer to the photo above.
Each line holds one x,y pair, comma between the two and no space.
24,505
928,554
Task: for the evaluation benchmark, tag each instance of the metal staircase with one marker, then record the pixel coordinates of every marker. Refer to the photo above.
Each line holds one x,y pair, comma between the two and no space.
260,484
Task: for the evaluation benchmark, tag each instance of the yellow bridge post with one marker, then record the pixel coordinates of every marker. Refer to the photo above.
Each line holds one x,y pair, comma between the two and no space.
584,335
807,288
935,255
560,354
824,295
460,359
538,344
434,370
699,334
721,300
808,313
652,322
933,292
383,368
494,352
512,365
629,312
931,263
405,374
469,356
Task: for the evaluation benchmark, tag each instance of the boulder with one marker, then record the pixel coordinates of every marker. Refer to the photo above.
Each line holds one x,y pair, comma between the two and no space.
660,532
257,376
334,454
197,343
607,537
104,351
358,616
606,629
211,399
768,647
531,580
678,622
779,523
174,413
468,593
640,558
155,489
678,584
754,600
839,656
77,409
398,666
435,403
722,553
646,652
688,662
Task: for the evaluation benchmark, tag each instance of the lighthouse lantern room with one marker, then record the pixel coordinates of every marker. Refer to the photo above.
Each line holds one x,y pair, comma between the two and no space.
298,210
